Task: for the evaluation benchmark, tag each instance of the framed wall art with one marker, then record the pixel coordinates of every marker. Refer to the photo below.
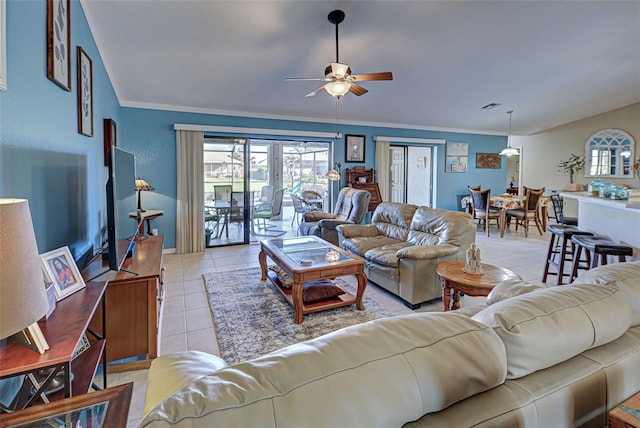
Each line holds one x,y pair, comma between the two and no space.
85,93
61,267
354,148
457,157
59,43
488,160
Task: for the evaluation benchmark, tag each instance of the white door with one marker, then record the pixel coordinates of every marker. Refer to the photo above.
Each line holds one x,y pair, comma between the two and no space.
419,173
397,174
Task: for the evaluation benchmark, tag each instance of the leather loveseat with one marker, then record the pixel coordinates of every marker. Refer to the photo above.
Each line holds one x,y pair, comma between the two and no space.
561,356
351,207
403,245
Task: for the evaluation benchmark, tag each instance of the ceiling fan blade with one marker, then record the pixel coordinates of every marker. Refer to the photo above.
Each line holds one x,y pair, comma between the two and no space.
315,91
386,75
305,78
357,89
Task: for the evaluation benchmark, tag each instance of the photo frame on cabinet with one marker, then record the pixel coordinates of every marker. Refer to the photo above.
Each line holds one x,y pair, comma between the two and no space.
59,43
354,148
85,93
61,267
457,157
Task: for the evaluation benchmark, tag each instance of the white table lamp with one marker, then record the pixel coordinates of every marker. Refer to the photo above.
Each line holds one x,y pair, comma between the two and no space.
23,297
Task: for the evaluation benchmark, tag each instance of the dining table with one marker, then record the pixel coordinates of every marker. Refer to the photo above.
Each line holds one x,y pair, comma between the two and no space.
508,202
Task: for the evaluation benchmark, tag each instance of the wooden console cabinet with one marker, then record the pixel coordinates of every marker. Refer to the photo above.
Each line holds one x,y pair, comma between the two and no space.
134,304
364,179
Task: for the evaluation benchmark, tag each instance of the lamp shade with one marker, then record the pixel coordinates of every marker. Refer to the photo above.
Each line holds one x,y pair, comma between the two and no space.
23,298
332,175
141,184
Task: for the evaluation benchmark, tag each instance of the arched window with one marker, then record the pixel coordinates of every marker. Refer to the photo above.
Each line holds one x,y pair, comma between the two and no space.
610,153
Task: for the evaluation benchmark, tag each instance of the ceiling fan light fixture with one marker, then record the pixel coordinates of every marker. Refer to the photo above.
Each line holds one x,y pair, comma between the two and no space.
337,89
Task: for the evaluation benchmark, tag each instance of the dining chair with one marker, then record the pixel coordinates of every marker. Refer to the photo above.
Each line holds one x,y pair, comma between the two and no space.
482,208
529,212
471,210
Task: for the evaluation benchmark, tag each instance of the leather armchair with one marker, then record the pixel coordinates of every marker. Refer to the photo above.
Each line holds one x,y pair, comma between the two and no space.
350,208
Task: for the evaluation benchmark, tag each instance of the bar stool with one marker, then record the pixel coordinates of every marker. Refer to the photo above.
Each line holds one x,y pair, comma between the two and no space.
596,246
565,233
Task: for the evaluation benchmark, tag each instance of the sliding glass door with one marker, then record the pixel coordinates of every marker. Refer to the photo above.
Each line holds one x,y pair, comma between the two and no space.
227,204
260,175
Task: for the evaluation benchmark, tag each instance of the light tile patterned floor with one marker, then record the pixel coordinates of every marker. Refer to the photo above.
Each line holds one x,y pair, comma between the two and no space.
187,322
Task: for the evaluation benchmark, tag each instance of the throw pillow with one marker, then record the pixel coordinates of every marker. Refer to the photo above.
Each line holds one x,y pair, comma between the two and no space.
315,291
285,280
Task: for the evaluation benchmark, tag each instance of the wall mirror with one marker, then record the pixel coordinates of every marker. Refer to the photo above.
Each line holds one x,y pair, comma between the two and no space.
610,153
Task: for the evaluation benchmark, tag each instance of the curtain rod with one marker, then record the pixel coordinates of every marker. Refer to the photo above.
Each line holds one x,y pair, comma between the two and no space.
408,140
261,131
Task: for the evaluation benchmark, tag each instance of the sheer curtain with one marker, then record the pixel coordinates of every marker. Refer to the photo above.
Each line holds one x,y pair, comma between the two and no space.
383,163
190,195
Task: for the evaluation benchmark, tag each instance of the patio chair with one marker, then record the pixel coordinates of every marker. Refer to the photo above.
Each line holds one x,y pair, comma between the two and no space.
266,211
299,208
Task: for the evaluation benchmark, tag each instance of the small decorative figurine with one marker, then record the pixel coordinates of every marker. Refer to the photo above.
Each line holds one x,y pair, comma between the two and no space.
473,264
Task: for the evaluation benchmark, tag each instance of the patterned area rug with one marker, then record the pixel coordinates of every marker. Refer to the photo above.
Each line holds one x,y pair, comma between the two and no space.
252,318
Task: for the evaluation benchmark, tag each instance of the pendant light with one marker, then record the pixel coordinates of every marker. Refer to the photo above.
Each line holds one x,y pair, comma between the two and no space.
509,151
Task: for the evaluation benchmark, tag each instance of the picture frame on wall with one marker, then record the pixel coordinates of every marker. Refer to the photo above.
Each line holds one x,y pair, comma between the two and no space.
110,137
488,161
62,269
457,157
85,93
59,43
354,148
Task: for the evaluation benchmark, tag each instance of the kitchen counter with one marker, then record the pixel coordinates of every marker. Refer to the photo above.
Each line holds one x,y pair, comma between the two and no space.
618,220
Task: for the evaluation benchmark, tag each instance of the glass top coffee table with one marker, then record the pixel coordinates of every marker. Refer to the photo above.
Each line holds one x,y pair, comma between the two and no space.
308,259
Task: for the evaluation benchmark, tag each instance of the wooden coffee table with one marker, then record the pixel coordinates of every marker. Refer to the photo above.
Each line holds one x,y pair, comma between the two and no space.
453,278
626,414
289,254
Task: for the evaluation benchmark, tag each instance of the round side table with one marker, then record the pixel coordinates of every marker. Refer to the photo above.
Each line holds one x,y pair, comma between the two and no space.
452,277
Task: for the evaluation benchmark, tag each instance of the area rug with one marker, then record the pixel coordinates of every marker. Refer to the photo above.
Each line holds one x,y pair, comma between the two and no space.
251,318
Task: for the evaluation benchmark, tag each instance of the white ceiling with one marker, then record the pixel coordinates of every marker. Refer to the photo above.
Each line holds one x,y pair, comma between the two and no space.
552,62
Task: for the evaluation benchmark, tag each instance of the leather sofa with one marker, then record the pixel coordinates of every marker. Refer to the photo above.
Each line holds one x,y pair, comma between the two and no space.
561,356
351,207
403,245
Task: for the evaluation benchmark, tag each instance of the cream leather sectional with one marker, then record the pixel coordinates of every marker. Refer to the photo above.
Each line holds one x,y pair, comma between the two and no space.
561,356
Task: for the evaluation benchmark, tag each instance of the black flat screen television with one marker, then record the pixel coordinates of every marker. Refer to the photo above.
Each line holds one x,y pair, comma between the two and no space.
121,200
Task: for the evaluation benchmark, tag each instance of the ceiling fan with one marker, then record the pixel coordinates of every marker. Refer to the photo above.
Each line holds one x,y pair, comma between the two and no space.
337,76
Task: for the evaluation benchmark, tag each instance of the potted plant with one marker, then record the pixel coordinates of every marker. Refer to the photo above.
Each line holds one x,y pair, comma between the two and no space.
571,166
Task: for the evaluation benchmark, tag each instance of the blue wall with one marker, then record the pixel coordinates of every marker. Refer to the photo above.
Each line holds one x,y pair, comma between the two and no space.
42,156
44,159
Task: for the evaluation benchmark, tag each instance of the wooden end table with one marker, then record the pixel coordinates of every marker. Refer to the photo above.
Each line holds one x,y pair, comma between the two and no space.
288,254
64,331
452,277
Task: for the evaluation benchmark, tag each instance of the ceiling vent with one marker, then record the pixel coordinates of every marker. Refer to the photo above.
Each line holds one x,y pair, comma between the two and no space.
491,106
